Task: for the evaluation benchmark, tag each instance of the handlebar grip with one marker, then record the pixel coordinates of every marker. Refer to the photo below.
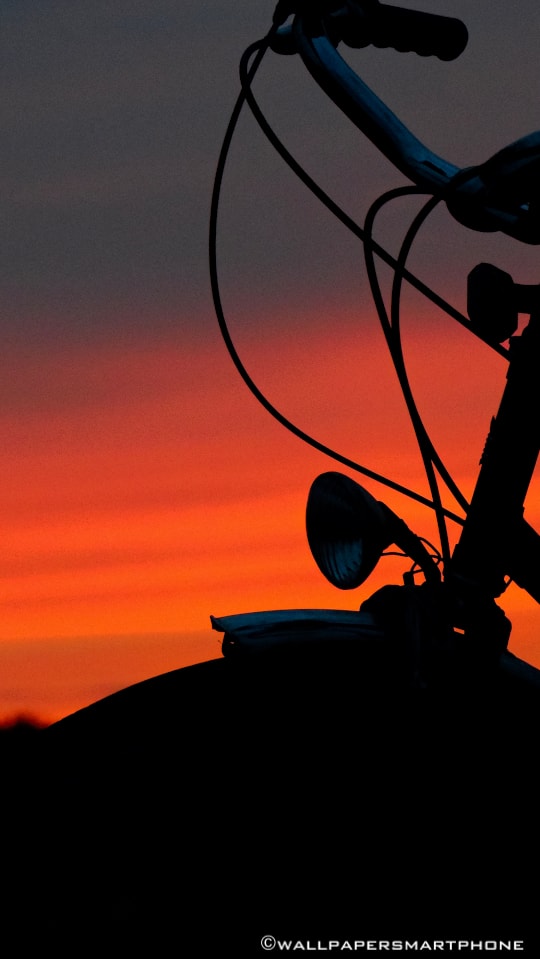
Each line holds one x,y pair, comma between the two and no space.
409,31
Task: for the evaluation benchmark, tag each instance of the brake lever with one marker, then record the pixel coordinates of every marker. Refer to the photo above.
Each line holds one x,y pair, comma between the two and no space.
503,193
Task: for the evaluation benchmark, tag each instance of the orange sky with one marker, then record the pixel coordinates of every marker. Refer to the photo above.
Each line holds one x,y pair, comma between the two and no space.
144,489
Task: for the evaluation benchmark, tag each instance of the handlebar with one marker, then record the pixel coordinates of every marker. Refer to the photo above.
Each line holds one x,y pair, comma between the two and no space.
499,195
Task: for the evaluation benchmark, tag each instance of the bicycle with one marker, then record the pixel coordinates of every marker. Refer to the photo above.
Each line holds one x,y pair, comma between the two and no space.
347,530
416,690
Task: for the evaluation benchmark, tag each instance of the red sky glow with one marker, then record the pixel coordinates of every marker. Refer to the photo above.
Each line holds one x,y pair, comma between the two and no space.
148,490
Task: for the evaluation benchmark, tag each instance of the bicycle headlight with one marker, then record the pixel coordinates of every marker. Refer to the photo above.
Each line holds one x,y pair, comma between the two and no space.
347,529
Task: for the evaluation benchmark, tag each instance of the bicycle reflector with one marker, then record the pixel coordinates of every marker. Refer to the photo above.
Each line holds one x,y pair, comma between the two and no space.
348,530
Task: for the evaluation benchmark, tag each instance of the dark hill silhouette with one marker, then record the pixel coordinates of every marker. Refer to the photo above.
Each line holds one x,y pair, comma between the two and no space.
303,792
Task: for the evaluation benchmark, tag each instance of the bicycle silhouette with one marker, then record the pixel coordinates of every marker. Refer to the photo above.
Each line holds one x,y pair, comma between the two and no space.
337,776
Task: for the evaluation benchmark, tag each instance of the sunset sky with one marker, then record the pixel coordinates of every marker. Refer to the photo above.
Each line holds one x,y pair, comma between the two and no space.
143,488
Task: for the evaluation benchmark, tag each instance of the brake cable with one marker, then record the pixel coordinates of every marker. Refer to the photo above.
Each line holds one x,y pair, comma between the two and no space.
427,450
258,50
339,213
392,333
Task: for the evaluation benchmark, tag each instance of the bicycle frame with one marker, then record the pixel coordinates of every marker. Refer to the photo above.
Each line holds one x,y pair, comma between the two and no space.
493,534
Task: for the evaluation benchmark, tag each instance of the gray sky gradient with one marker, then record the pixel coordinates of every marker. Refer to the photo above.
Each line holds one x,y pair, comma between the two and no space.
112,115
